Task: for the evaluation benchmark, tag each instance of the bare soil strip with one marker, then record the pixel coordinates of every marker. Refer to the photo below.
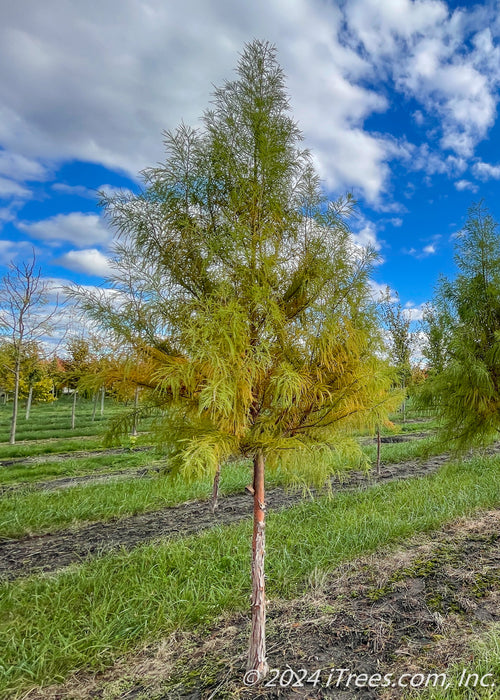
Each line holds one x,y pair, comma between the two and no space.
49,552
413,610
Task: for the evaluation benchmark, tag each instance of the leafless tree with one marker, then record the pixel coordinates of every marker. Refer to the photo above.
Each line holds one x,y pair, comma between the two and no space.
25,317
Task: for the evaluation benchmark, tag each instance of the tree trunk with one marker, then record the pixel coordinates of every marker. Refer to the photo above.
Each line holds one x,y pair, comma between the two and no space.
94,407
404,402
28,404
73,410
257,651
215,490
103,394
378,451
136,404
15,405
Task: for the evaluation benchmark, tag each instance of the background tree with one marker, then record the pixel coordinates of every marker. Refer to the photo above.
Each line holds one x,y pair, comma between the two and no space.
25,318
466,392
34,380
397,322
255,310
436,327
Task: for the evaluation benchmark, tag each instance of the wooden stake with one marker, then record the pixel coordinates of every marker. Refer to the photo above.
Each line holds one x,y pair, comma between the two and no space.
378,451
215,490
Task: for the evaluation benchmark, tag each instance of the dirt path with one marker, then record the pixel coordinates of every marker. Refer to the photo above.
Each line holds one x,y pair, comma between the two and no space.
414,610
20,557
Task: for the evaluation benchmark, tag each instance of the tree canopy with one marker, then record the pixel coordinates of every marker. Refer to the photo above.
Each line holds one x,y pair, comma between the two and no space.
240,282
466,392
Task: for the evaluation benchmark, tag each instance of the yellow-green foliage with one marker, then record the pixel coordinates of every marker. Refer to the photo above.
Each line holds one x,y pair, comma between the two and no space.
465,392
33,373
241,284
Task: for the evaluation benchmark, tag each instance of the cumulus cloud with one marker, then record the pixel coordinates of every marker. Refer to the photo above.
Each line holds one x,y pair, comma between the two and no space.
102,83
90,262
103,89
423,47
382,292
430,249
414,313
17,167
10,250
462,185
485,171
76,228
9,189
365,234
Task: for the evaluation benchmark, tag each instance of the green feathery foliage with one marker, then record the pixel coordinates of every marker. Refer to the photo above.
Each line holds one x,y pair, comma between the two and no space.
241,283
466,392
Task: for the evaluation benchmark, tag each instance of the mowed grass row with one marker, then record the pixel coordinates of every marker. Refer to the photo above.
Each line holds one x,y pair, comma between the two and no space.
54,420
33,472
396,452
84,616
37,512
16,474
34,512
50,446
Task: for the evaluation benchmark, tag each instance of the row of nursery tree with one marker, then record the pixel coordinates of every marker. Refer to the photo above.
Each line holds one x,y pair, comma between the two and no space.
245,312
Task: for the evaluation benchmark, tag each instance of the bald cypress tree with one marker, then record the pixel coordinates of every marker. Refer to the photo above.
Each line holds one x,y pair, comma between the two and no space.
465,383
259,321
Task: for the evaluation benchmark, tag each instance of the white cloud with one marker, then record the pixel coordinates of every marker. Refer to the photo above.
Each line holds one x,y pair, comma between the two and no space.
9,188
7,214
17,167
485,171
380,292
89,262
104,89
396,221
366,235
461,185
76,228
9,250
111,190
101,83
418,117
429,249
74,190
414,313
423,47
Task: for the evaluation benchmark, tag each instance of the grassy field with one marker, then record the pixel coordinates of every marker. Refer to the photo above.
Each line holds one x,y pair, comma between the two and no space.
86,615
52,422
24,512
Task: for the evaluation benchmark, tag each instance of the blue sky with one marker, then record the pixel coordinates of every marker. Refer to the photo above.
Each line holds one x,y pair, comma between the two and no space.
397,101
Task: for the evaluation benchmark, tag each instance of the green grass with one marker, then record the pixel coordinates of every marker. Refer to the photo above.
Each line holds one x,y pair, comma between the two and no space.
483,660
395,452
83,617
23,513
32,472
54,420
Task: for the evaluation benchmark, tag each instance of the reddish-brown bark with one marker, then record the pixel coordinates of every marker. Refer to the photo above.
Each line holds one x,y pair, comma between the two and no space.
257,651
